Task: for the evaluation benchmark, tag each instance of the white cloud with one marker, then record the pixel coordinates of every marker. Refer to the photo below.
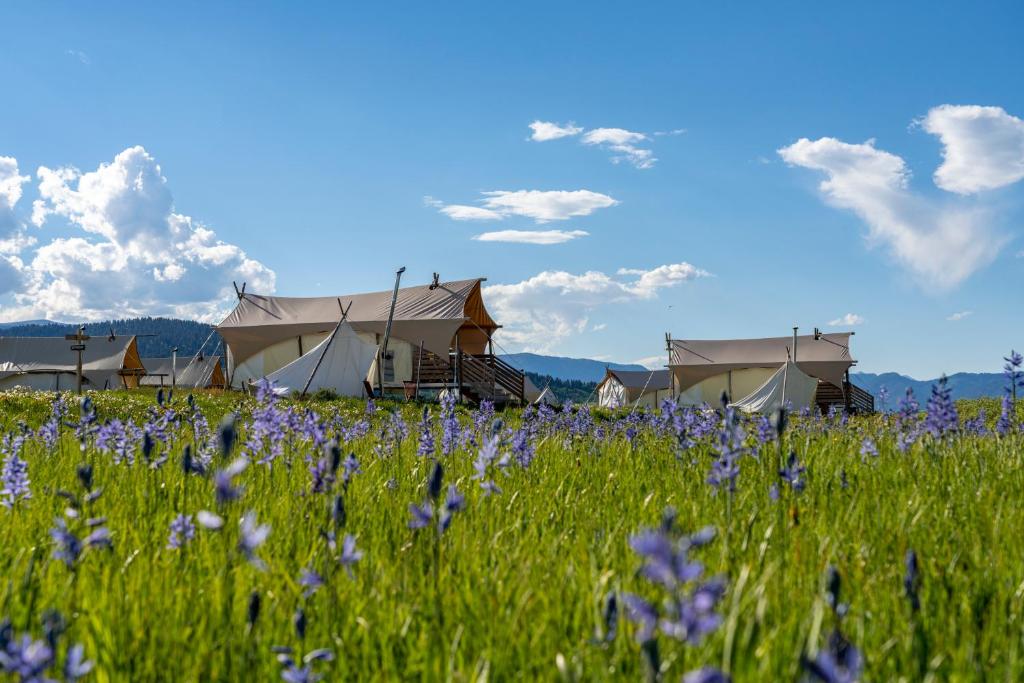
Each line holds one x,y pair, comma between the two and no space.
983,147
941,242
544,206
80,56
959,315
540,311
546,130
598,327
848,320
133,254
540,205
531,236
624,143
462,212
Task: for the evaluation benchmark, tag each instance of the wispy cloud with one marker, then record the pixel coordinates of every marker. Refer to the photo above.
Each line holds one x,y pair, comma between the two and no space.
624,144
542,206
651,362
546,130
79,55
848,320
531,236
959,315
941,240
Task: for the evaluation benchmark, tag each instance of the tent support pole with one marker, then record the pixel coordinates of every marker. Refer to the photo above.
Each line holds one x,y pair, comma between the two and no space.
419,368
344,314
387,332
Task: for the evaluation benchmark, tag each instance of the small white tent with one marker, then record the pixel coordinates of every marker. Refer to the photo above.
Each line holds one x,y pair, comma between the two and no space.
788,386
643,388
547,398
340,362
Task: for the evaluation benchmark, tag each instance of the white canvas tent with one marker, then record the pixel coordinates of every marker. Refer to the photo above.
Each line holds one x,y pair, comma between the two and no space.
530,391
197,372
701,369
641,388
340,363
48,363
265,333
547,398
788,386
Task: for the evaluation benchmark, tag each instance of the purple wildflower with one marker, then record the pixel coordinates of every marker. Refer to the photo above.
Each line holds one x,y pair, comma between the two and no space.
322,476
251,536
209,520
449,424
421,515
349,553
27,659
840,662
311,581
223,481
883,397
14,479
868,447
426,442
453,502
941,418
912,580
183,530
706,675
75,664
487,463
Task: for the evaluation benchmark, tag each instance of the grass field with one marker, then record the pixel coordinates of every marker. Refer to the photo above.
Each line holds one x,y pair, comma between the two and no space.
540,574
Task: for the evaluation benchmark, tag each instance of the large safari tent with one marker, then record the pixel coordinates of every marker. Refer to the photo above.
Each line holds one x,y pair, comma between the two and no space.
760,374
440,337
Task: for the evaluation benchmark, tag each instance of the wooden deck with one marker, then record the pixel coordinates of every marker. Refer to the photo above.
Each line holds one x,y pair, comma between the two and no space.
852,398
475,376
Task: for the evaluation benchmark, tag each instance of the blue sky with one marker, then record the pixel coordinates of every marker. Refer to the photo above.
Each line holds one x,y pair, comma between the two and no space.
315,149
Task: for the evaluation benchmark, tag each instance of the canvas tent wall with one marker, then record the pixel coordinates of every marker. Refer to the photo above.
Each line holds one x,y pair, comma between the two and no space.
265,333
633,388
48,363
192,372
339,363
788,386
702,369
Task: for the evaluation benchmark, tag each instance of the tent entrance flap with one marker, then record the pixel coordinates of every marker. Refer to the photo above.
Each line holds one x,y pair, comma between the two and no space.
340,363
789,386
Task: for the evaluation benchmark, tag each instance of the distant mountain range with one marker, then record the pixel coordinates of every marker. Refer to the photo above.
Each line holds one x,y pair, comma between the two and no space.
581,369
961,384
27,323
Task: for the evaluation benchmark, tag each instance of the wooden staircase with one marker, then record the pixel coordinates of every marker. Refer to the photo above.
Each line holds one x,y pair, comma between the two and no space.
475,376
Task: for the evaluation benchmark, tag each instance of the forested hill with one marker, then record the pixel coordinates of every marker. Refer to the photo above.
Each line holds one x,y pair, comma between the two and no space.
187,335
565,390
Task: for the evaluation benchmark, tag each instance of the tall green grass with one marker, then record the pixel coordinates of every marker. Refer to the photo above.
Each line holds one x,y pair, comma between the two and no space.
521,577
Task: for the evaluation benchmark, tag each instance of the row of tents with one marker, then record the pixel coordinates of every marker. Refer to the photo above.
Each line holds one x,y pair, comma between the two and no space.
436,338
49,364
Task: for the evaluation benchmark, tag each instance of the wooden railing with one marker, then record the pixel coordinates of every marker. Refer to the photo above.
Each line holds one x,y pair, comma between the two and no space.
479,375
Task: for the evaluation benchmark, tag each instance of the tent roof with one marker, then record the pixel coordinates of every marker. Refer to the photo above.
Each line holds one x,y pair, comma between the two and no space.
432,316
693,360
192,372
101,358
638,379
